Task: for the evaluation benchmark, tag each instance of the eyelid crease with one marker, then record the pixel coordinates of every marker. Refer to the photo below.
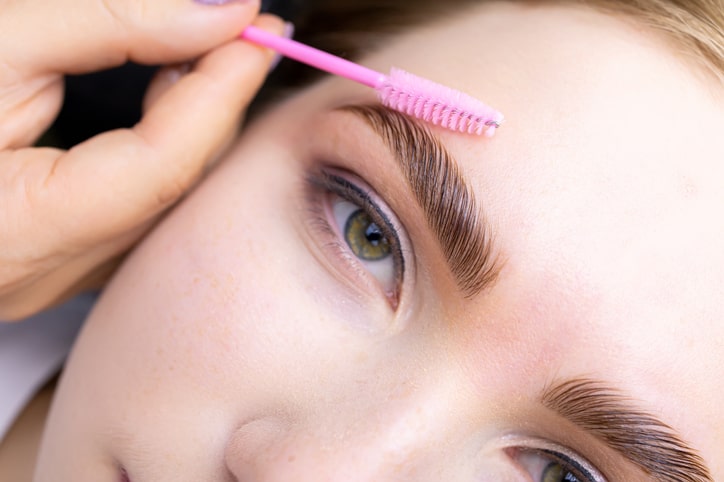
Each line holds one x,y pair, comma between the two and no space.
517,445
576,465
640,437
447,201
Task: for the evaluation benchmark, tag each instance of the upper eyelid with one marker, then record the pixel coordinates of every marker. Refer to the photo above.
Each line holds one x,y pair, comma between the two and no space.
579,464
448,203
543,444
365,198
336,181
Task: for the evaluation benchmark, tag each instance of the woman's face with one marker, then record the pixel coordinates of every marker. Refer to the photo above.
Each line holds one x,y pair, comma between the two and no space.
323,308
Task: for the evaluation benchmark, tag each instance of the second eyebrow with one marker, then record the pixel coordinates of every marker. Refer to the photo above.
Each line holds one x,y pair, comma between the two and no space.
440,189
640,437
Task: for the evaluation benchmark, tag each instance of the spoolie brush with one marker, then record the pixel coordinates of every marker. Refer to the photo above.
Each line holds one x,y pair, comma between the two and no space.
400,90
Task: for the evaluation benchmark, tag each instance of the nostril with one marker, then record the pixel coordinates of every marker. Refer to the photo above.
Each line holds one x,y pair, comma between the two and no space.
124,476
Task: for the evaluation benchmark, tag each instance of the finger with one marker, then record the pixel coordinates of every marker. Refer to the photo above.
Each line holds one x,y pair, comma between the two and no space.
28,108
120,179
74,36
74,270
164,79
85,272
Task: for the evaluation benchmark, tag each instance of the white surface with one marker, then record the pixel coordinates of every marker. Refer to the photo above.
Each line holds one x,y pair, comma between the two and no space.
32,351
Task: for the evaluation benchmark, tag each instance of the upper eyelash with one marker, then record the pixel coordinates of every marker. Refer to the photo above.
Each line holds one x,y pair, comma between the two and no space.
568,458
346,189
378,216
570,464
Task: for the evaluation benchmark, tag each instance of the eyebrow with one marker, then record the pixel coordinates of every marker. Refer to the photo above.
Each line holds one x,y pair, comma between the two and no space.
447,201
467,243
640,437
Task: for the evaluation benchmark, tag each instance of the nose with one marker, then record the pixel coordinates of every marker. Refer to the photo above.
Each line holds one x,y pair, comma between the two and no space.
407,441
266,451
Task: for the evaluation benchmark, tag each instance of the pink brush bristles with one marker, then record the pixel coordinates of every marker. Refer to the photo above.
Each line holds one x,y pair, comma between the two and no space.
401,91
435,103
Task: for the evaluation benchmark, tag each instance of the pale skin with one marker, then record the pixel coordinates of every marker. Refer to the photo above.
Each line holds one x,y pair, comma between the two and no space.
235,344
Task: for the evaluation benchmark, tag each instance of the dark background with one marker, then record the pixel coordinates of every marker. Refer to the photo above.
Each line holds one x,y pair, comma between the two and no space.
112,99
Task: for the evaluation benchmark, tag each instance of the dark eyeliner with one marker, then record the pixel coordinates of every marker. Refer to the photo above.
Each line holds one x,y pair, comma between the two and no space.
323,182
570,465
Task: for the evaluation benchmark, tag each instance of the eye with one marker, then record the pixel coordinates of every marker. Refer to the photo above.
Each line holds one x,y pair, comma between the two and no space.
360,229
560,465
367,241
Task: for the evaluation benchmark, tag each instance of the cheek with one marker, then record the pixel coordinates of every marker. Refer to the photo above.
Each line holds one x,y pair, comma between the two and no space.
224,305
218,290
202,309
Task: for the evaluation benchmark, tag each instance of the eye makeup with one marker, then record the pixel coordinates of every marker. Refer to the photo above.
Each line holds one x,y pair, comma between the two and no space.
370,233
546,461
441,190
553,466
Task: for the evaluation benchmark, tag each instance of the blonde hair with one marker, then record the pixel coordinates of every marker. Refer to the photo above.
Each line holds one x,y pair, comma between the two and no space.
695,27
352,27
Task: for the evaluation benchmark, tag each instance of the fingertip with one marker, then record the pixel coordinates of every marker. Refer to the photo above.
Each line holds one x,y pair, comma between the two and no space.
225,12
271,23
80,37
195,31
220,3
195,111
241,60
277,26
171,74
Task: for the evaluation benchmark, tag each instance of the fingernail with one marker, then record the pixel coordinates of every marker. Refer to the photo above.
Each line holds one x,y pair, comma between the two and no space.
287,33
223,2
176,72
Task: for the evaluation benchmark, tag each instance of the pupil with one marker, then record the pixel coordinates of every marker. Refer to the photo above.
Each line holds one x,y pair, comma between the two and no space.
365,238
373,235
555,472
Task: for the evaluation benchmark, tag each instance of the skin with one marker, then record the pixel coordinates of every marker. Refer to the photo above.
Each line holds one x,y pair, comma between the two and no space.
234,346
46,254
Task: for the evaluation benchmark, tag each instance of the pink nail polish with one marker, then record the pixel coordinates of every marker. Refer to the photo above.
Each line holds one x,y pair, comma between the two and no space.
288,33
224,2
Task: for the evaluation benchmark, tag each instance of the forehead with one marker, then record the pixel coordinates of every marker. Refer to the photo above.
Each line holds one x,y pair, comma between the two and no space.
609,166
605,189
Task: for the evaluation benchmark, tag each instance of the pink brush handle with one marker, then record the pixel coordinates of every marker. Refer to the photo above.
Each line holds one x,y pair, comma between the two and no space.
314,57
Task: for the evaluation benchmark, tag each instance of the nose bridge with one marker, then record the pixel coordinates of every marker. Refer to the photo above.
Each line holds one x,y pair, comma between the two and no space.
398,439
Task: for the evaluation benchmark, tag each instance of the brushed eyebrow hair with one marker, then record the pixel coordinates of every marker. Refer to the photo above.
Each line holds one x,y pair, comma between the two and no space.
640,437
449,204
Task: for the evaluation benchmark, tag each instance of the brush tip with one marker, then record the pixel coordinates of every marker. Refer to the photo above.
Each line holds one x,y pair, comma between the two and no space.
438,104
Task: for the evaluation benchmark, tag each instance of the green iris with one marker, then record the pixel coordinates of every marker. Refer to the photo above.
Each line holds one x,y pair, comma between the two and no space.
365,238
556,473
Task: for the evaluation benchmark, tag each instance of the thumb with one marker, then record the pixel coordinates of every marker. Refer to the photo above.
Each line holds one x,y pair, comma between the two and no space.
77,36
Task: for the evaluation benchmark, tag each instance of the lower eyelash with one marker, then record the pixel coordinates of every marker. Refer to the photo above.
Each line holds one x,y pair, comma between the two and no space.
318,220
322,184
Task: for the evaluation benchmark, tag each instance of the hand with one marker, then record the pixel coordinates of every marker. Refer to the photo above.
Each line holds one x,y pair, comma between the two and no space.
65,215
